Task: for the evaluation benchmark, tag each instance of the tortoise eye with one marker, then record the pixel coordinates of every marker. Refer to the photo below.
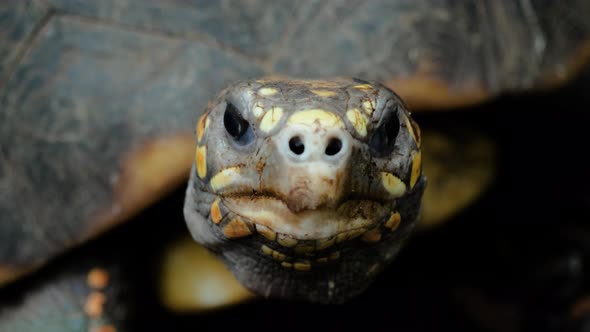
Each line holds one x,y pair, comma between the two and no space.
383,139
236,126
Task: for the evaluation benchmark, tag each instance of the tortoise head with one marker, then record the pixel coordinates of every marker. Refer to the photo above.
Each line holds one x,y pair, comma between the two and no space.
306,189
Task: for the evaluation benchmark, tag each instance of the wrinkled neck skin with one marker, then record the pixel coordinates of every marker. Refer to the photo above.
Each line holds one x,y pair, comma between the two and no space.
305,189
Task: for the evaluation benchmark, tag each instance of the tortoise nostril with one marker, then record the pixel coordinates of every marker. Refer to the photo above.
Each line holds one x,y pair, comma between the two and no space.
334,146
296,145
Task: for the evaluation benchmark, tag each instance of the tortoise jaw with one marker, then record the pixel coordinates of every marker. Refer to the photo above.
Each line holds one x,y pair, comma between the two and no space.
351,216
309,238
304,254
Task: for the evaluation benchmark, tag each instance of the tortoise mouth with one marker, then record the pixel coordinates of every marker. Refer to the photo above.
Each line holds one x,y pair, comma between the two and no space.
272,215
309,237
327,254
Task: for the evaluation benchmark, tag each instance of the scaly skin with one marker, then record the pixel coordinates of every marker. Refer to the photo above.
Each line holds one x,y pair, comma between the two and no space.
305,189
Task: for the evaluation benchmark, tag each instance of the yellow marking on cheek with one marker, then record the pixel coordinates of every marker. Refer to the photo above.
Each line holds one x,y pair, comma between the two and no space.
368,107
393,184
236,228
363,87
267,91
202,127
216,215
416,168
270,119
316,116
393,221
358,121
225,178
287,265
324,93
201,161
258,111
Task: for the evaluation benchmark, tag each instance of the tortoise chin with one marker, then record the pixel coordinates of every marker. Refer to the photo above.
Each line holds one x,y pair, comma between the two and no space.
326,255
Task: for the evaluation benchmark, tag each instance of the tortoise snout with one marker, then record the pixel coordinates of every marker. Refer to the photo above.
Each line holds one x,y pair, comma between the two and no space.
312,165
301,144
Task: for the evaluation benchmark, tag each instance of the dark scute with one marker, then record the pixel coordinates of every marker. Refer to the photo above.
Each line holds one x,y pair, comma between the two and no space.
236,125
383,139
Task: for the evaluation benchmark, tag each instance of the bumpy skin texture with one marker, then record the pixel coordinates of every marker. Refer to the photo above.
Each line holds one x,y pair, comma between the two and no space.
305,220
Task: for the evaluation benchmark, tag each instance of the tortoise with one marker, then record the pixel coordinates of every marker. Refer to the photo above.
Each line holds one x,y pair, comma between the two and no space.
99,99
326,174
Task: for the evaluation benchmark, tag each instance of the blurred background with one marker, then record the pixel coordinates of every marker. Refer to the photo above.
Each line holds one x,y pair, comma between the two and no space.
98,103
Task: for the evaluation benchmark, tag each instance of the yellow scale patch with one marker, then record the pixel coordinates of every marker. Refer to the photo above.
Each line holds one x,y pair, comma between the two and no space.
270,119
287,241
266,250
416,167
319,116
267,91
363,87
302,266
368,107
258,111
225,178
324,93
202,127
393,221
236,228
372,236
393,184
216,215
358,121
266,232
273,253
278,256
201,160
